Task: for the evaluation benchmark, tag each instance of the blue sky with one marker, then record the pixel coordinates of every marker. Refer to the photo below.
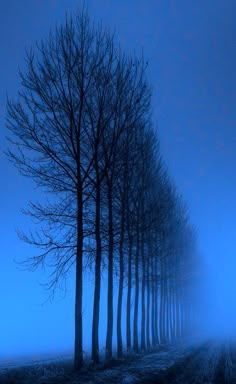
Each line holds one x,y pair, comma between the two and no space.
191,50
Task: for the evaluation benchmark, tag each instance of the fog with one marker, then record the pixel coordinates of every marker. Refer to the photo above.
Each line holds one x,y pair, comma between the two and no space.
39,328
34,326
191,57
218,310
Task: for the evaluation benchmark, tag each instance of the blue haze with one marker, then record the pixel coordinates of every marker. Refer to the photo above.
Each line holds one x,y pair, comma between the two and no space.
191,50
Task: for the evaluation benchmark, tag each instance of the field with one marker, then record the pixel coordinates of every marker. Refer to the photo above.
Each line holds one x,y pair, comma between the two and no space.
209,363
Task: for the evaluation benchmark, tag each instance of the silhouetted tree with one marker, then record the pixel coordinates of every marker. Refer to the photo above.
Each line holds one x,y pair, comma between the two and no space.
81,129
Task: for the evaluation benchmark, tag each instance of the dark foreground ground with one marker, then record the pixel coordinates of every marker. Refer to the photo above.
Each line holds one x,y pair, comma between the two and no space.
210,363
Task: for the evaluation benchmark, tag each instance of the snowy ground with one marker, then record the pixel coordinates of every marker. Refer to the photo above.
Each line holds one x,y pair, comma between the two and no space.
210,363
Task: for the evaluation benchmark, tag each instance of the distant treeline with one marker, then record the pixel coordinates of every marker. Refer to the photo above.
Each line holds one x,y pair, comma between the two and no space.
82,129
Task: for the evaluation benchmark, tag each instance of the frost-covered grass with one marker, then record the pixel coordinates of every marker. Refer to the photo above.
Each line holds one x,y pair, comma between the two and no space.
174,364
37,373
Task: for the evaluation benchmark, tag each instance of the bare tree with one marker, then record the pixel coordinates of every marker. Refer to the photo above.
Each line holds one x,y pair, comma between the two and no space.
52,126
81,129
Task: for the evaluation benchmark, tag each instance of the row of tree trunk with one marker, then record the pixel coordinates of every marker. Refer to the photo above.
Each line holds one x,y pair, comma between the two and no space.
83,131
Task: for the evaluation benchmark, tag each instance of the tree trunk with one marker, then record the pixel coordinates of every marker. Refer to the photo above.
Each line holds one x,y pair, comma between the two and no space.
167,311
143,341
110,278
154,304
157,282
136,300
148,302
128,303
171,313
121,282
174,315
164,301
162,319
96,303
177,315
78,347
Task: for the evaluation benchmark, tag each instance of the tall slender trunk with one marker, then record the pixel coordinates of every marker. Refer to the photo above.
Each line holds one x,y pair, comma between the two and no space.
171,313
121,281
110,277
78,346
128,302
148,301
161,307
167,311
174,313
164,302
182,319
136,300
154,302
161,320
157,282
97,288
143,282
177,304
143,314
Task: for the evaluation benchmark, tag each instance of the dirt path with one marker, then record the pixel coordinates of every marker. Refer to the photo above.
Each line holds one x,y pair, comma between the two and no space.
213,363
